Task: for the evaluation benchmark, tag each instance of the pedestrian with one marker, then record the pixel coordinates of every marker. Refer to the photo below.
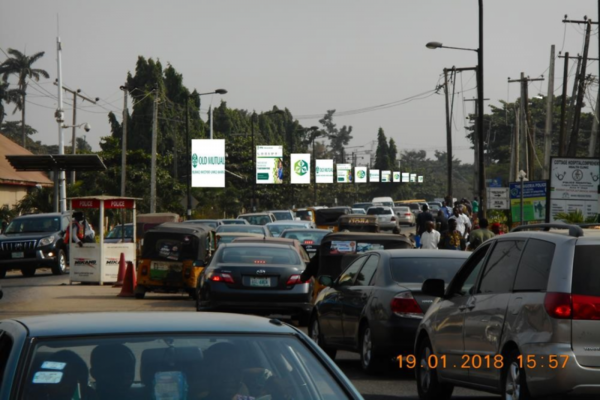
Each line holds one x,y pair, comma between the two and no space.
444,210
76,230
422,219
478,236
442,220
462,221
452,239
475,206
496,228
430,238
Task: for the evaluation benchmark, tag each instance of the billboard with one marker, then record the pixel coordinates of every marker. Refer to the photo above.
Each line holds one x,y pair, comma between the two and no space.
208,163
396,176
413,177
269,164
344,173
420,179
360,174
300,168
574,186
534,201
373,175
405,177
386,176
324,171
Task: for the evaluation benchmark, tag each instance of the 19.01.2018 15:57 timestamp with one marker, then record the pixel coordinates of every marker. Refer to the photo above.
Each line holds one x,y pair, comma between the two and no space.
476,361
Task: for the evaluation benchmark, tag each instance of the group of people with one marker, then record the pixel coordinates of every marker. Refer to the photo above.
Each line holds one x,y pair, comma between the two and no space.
455,227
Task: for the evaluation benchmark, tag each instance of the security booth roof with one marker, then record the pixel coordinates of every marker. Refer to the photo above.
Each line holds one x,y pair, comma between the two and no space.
60,162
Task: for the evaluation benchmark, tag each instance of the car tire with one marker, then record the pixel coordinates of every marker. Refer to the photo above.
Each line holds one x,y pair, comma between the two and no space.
61,263
314,331
428,385
514,381
139,292
28,272
370,361
3,273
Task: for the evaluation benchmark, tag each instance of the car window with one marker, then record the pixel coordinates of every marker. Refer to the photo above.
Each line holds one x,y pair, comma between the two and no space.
468,275
347,277
305,237
534,268
367,272
499,273
284,215
241,228
417,270
586,273
5,348
259,255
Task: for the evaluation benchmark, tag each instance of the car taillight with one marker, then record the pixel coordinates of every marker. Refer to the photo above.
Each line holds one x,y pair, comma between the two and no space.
408,214
405,305
558,305
222,277
294,280
586,307
393,219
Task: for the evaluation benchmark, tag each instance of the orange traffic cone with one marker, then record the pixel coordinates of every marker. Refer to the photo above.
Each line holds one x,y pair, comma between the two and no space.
122,268
129,282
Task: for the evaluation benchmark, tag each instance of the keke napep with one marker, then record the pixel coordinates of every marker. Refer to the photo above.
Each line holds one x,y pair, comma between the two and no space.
173,256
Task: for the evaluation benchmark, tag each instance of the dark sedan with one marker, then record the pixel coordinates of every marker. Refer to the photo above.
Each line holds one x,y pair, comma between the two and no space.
259,229
310,239
376,304
260,278
102,356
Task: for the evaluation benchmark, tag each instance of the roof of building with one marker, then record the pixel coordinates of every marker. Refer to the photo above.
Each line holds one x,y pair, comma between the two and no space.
9,176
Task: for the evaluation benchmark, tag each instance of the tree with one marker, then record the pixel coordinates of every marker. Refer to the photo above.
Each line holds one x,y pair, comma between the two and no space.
338,138
393,152
22,66
9,96
382,154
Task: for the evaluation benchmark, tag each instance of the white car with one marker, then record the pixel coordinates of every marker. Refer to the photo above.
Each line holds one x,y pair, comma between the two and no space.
405,215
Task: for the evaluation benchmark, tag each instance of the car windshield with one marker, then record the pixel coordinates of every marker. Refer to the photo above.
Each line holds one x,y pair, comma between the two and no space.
256,219
418,269
234,222
378,211
402,210
276,229
358,211
210,222
258,255
242,228
178,366
118,232
283,215
305,237
305,215
33,225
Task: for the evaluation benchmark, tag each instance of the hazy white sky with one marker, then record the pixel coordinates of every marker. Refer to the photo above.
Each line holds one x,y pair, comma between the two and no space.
308,56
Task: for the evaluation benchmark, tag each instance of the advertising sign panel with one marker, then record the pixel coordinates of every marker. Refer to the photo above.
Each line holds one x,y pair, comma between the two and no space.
344,173
413,177
208,163
396,176
420,178
498,199
373,175
574,186
300,168
386,176
360,174
534,201
269,164
405,177
324,171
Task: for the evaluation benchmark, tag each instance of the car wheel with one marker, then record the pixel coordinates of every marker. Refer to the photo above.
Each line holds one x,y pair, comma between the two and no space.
61,263
514,382
3,273
28,272
428,384
314,331
369,361
139,292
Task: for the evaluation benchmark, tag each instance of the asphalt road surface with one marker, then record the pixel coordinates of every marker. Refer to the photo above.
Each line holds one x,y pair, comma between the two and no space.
48,294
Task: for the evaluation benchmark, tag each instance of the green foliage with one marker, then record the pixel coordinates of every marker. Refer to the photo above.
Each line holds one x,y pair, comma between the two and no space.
573,217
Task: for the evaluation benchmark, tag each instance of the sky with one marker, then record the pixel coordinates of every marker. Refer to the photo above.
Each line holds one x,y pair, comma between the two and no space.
308,56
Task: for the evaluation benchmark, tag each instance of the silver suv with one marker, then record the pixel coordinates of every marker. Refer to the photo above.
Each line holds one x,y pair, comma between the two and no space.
520,318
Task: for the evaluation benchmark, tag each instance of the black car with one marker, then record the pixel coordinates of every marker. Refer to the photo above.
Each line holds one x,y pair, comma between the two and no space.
35,241
259,229
376,304
310,239
260,278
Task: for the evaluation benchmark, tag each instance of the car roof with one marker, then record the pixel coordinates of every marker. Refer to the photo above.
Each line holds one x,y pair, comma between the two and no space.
286,222
178,227
365,236
43,215
147,322
240,234
326,231
273,211
424,253
250,214
267,242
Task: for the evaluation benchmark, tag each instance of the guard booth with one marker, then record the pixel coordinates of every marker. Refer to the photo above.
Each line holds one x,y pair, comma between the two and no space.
99,262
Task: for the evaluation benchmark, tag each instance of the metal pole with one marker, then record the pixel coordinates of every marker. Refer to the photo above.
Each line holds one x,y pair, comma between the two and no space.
211,121
73,140
189,158
480,98
153,164
61,139
124,142
548,131
448,135
253,162
521,220
563,108
314,169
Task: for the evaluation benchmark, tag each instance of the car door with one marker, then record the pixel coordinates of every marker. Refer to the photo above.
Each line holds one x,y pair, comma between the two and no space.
447,330
355,299
486,311
330,305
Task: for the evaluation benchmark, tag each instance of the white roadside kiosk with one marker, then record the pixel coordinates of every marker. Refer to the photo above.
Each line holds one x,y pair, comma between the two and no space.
99,262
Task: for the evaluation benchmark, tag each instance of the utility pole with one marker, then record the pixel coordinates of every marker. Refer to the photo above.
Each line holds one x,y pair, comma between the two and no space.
548,130
253,161
188,144
124,141
563,108
594,134
476,139
153,164
61,145
448,135
572,152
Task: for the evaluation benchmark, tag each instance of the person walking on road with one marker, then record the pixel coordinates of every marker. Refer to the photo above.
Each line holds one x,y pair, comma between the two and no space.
430,238
478,236
452,239
442,220
422,219
475,206
463,223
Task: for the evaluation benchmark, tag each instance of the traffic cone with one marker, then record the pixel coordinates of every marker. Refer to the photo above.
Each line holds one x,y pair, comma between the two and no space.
129,282
122,268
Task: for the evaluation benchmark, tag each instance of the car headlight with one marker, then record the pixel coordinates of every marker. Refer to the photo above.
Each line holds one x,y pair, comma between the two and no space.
46,241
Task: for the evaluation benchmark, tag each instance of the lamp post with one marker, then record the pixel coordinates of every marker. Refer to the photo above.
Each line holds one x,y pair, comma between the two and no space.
252,118
315,134
189,145
480,134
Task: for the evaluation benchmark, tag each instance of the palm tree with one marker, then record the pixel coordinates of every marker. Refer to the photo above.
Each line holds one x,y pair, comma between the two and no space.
8,96
21,65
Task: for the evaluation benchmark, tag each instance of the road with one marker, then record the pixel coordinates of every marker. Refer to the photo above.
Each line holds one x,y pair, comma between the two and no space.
48,294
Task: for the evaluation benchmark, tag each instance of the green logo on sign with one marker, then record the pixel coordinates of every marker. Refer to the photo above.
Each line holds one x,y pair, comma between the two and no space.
317,169
397,176
301,167
361,174
195,160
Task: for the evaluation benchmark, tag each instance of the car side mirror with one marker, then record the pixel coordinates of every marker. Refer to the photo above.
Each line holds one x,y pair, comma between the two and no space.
326,280
433,287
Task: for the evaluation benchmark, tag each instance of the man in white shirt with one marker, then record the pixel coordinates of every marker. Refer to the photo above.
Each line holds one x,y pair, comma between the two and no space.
460,222
430,238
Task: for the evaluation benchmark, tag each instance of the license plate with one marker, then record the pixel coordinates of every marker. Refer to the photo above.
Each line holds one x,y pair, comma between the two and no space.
18,254
260,282
159,267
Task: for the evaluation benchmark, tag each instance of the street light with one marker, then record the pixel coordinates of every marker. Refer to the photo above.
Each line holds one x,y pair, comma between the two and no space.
315,134
481,167
252,118
217,91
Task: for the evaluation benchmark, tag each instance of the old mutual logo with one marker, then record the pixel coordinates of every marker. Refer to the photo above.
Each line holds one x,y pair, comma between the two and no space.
195,160
397,176
361,174
301,167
